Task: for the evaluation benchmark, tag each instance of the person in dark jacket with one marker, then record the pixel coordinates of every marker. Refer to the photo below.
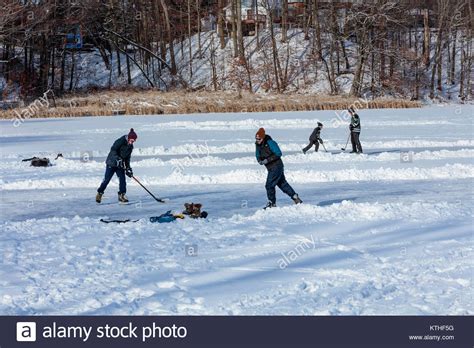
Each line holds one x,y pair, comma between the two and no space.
355,132
269,154
315,138
118,162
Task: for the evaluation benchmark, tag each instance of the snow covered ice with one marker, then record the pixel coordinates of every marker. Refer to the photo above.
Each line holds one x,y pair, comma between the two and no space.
375,234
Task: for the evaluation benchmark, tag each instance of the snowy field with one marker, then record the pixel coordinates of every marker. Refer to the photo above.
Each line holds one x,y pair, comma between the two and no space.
375,235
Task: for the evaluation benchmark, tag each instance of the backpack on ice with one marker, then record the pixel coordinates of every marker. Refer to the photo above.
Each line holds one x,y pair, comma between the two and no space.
38,162
166,217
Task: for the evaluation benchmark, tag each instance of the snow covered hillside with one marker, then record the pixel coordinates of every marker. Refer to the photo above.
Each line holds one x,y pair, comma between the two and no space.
375,234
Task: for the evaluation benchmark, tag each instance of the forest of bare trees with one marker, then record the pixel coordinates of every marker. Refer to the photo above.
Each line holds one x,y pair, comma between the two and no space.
416,48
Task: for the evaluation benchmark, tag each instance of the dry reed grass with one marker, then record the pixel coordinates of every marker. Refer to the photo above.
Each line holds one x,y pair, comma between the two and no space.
154,102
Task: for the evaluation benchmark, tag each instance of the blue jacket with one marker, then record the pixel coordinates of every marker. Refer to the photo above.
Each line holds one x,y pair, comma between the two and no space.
270,151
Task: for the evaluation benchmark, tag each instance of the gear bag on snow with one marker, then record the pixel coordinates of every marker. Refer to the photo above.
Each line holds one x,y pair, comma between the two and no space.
194,210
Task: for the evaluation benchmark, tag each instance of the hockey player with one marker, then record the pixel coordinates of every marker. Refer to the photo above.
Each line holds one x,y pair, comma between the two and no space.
355,132
118,162
269,154
315,138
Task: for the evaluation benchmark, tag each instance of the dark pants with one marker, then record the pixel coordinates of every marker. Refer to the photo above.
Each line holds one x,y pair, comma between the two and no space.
356,146
109,173
276,177
311,143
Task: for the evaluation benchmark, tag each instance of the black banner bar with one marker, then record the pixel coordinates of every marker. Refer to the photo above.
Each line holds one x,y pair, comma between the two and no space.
236,331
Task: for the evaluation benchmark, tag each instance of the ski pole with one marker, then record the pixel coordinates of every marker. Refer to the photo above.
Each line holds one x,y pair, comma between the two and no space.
324,147
347,142
151,194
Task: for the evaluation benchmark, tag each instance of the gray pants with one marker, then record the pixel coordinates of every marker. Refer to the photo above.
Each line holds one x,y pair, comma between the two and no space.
311,143
356,146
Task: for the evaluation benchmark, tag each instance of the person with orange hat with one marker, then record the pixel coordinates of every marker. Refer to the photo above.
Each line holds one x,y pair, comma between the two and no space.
269,154
118,162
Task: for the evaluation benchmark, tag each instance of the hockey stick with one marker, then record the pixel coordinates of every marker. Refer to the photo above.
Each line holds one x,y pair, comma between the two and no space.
324,147
347,142
151,194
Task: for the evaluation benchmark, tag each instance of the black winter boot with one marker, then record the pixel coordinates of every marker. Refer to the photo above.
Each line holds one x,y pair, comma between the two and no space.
122,198
296,199
270,205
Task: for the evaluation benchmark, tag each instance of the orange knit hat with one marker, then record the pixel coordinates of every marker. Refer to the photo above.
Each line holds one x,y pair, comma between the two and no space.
260,133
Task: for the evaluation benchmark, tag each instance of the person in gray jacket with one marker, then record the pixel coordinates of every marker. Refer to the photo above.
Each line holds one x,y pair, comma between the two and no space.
315,138
118,162
354,127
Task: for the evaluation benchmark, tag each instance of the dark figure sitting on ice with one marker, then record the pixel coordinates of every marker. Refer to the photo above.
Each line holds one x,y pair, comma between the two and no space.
355,132
315,138
269,154
118,162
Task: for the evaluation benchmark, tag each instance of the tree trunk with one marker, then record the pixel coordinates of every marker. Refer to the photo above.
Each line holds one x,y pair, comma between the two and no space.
257,24
198,14
119,63
213,63
284,21
453,59
306,18
170,37
220,23
63,67
189,41
240,37
73,64
437,56
439,63
334,43
416,88
234,29
129,75
462,74
317,25
53,67
276,61
381,45
426,38
357,83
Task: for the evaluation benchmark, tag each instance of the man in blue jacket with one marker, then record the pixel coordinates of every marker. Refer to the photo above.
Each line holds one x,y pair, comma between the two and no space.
269,154
118,162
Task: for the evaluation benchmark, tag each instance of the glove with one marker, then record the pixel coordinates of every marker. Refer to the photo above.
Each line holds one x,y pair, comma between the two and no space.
351,127
320,140
263,162
129,172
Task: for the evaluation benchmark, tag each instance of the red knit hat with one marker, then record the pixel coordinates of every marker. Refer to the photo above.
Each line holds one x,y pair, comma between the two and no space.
260,133
132,135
